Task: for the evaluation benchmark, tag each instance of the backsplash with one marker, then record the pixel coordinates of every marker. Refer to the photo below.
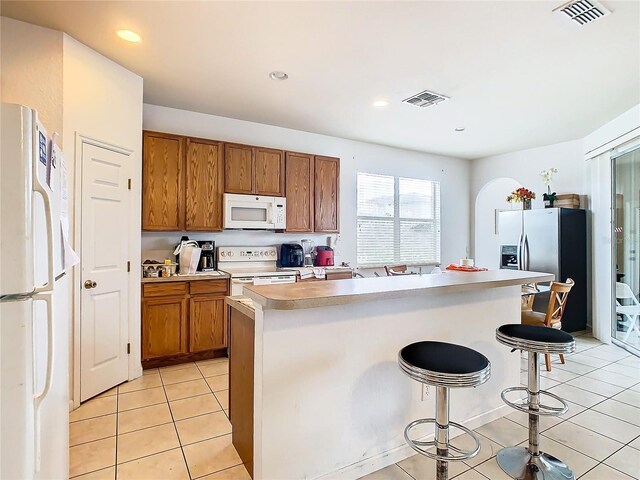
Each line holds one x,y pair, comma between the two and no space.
160,245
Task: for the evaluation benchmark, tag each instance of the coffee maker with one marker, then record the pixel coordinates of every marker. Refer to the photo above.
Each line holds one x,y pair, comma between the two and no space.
207,256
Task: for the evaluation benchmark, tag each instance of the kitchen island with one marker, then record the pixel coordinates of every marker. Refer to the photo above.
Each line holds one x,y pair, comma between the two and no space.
319,363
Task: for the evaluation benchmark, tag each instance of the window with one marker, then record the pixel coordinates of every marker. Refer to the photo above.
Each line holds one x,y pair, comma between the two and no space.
398,221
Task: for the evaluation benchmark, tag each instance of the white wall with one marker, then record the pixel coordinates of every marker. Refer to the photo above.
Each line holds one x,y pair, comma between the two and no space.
354,156
103,101
524,167
31,66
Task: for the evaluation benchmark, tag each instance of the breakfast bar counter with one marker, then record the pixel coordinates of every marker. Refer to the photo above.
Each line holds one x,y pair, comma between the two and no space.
311,295
315,388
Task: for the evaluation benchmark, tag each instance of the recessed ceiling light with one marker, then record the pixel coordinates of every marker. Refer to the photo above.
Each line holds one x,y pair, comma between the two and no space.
380,103
459,129
278,75
129,36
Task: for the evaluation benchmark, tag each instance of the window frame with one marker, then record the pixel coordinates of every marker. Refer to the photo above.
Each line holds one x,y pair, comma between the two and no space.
436,220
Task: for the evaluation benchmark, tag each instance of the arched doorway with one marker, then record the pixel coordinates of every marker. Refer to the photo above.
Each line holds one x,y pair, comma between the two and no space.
490,199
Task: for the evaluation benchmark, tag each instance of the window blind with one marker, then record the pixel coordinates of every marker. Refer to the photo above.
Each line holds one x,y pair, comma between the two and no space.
398,220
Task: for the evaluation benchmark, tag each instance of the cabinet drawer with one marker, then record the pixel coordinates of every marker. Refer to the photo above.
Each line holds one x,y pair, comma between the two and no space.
164,289
208,286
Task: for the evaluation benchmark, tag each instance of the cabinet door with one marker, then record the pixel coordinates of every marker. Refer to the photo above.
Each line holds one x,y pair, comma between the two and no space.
162,182
207,323
205,185
238,169
327,195
299,191
269,172
164,327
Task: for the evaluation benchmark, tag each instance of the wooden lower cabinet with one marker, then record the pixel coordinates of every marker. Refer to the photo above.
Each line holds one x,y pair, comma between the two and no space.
207,323
183,328
164,327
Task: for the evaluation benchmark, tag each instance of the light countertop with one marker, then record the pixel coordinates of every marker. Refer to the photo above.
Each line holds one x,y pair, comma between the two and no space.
321,294
233,302
184,278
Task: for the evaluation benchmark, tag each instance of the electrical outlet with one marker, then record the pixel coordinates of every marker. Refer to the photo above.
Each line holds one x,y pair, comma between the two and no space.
425,392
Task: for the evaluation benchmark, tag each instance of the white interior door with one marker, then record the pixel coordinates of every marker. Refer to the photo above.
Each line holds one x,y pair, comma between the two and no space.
104,282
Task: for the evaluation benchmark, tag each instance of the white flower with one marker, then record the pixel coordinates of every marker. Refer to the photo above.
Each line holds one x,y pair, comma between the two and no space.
547,175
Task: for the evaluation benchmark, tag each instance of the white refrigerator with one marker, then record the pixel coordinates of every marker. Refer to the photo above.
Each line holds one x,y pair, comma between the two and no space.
34,302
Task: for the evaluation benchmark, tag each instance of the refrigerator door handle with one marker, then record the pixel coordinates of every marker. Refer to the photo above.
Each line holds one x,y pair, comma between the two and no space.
525,255
39,397
519,252
41,189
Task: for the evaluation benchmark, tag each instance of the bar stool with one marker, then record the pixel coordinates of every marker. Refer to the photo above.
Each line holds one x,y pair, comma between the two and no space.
529,463
445,366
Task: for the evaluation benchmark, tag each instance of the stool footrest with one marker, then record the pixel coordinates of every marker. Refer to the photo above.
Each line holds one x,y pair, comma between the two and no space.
542,410
422,446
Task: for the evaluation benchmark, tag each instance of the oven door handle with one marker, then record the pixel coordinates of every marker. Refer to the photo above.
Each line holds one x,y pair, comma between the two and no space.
283,280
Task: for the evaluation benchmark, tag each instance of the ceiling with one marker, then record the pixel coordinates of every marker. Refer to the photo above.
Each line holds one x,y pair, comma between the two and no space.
518,75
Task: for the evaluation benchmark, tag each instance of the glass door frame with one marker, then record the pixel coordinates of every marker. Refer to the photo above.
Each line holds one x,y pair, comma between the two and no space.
630,148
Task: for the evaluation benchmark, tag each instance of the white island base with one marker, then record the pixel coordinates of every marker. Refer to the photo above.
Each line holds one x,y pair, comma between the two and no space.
330,400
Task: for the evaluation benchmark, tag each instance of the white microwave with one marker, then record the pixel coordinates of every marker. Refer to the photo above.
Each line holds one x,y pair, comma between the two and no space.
254,212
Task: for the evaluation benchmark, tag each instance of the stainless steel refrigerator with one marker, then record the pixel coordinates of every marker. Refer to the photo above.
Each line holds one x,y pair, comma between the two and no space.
552,240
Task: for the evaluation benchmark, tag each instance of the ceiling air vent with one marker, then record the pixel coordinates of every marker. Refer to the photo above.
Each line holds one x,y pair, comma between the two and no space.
583,11
425,99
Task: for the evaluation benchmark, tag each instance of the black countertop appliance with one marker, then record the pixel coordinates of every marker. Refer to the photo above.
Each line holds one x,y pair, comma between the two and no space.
291,255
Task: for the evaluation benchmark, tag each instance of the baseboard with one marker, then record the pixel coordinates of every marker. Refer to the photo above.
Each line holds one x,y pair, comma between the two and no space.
401,452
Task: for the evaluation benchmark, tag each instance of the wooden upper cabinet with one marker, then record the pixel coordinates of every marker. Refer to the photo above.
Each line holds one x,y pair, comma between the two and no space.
299,186
207,323
269,172
205,185
327,195
164,327
238,169
162,182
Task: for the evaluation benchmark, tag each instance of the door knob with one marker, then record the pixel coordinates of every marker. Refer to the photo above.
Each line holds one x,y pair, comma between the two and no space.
90,284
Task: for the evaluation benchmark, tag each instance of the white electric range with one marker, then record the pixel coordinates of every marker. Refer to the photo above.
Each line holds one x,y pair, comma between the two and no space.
252,266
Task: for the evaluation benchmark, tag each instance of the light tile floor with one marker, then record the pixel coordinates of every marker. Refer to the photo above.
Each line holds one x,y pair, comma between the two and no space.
599,437
170,424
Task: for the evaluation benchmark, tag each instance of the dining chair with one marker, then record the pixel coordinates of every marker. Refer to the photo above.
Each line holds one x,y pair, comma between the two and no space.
396,270
629,311
559,293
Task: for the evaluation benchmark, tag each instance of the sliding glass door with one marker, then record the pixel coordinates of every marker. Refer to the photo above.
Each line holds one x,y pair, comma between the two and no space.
626,250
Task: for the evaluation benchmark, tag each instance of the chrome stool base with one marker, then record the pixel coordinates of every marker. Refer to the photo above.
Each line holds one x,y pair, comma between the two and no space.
519,463
446,449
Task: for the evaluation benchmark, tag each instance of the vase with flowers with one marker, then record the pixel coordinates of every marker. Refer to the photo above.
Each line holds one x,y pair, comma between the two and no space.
547,176
522,195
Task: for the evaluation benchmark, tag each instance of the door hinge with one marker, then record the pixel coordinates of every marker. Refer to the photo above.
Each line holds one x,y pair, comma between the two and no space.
129,184
128,266
128,349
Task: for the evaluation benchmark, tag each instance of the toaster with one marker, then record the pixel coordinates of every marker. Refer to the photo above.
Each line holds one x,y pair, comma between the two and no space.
291,255
324,256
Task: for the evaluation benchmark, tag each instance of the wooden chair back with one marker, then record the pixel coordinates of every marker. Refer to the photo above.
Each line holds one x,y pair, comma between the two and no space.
395,270
557,301
527,301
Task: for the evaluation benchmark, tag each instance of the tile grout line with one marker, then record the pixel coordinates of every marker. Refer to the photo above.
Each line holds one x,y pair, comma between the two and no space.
175,427
211,389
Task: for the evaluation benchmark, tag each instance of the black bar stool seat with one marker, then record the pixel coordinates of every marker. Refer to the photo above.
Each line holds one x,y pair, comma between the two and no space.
443,365
529,463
